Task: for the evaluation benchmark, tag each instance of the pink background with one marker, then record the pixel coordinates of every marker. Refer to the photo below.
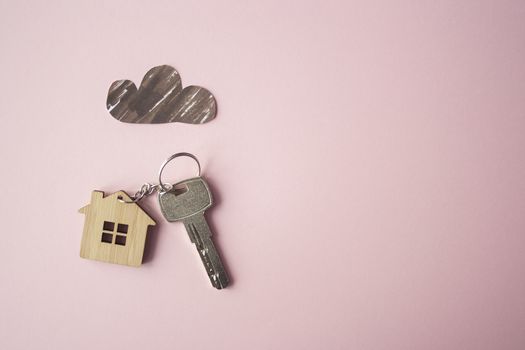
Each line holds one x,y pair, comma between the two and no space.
368,160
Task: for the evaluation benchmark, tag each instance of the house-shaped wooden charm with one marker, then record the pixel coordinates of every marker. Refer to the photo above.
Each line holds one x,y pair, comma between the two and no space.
114,229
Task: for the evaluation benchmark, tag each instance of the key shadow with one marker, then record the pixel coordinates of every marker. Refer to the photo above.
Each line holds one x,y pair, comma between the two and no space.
217,200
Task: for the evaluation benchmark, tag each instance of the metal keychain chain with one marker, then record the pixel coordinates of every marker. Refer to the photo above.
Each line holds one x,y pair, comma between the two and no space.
148,189
145,190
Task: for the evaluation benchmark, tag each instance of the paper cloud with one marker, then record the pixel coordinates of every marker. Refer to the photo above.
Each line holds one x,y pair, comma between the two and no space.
160,99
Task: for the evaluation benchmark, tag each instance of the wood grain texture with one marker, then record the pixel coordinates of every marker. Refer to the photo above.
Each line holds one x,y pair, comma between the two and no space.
112,210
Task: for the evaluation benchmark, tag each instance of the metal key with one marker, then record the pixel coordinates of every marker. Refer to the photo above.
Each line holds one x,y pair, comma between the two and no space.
189,207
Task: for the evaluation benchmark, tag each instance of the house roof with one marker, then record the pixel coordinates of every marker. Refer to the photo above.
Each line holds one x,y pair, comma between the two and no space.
120,196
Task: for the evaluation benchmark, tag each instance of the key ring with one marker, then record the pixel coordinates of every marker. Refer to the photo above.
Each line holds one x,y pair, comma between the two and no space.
165,187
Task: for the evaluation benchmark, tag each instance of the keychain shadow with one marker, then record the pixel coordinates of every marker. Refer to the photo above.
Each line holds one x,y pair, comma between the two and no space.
217,200
153,233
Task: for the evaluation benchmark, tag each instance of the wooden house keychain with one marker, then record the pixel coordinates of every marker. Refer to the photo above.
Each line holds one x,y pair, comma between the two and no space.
115,226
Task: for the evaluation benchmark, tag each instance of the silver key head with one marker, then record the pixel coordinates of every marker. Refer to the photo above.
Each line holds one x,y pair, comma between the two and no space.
195,198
